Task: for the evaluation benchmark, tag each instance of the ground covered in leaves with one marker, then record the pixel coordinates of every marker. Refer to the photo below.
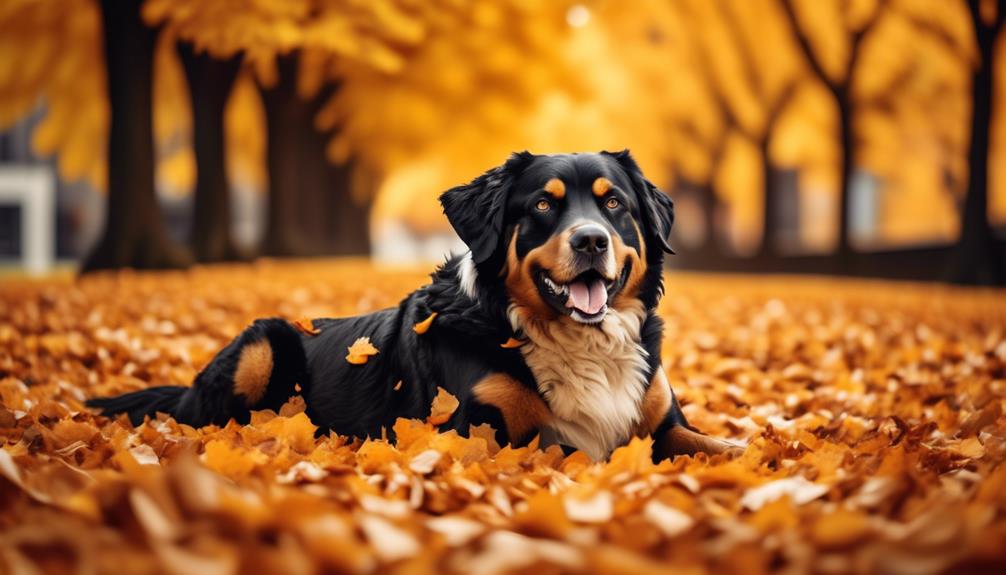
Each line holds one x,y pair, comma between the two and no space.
872,414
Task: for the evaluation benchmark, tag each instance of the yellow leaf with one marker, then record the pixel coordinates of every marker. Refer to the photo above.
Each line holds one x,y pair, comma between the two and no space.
443,407
306,326
297,431
424,326
511,343
222,457
360,351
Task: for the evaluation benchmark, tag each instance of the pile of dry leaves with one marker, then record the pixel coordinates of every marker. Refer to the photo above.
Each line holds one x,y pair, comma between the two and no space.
872,414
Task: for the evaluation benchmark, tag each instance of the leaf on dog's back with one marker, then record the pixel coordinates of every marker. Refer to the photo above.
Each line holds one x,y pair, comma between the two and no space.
360,351
511,343
424,326
443,407
306,325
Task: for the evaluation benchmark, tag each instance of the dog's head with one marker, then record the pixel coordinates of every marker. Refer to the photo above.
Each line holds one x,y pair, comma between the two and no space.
571,235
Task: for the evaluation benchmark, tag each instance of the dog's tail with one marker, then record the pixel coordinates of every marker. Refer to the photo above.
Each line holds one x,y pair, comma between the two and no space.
260,369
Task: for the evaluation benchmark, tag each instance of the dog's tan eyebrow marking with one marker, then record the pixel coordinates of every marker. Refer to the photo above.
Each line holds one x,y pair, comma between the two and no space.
601,186
556,188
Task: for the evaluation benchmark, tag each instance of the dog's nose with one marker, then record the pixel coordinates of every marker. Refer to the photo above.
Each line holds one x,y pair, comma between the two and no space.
590,240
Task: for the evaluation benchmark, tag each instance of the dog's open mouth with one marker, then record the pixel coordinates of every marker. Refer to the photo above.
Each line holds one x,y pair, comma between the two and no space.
585,298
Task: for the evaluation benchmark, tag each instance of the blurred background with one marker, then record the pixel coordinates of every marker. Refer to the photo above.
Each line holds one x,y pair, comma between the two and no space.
854,137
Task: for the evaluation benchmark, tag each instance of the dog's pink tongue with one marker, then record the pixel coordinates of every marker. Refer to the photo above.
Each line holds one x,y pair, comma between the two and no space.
589,299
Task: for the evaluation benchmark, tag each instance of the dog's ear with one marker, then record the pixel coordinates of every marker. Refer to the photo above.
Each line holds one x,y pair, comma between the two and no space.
656,207
476,209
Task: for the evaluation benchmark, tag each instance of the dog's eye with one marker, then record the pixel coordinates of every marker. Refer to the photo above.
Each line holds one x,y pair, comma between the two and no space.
543,206
611,204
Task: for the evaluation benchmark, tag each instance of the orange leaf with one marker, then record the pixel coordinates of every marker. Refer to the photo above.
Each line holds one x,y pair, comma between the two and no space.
443,407
512,343
424,326
360,351
306,326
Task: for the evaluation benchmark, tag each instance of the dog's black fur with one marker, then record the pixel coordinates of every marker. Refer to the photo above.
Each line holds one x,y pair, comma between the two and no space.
498,211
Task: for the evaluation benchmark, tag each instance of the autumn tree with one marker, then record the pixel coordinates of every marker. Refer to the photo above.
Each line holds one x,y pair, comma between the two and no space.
463,85
752,77
134,233
979,257
93,96
209,82
213,38
50,55
838,75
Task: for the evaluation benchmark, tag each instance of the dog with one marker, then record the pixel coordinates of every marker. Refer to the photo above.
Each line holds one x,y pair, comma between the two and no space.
545,327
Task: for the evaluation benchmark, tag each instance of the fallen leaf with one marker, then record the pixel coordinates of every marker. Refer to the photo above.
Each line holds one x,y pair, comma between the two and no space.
444,405
425,461
669,520
798,489
512,343
424,326
390,542
306,325
360,351
840,529
597,508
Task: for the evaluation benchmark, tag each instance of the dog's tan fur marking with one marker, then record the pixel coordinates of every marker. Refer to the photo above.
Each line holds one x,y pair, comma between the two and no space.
557,257
626,254
593,377
684,441
656,402
523,410
520,282
601,186
556,188
251,378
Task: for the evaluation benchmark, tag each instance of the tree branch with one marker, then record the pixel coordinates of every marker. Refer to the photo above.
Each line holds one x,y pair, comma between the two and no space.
940,34
708,73
808,50
856,42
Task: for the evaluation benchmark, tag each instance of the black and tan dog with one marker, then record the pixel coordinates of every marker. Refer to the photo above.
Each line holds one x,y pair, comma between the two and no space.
546,326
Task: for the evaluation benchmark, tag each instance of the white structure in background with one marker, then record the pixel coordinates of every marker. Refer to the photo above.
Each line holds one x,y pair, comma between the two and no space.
395,243
33,189
864,208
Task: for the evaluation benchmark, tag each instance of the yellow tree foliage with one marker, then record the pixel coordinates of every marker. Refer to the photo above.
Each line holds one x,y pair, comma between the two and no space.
568,93
477,71
50,53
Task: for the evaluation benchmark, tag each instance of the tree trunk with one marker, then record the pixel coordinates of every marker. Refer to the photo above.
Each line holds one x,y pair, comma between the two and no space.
210,83
286,116
978,259
847,143
311,208
334,221
134,234
710,209
770,202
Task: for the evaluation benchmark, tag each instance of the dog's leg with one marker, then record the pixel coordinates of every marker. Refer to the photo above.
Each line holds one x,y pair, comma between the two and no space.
679,440
523,412
258,370
662,416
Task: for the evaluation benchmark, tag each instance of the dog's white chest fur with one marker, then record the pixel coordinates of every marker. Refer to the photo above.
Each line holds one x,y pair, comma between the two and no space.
592,377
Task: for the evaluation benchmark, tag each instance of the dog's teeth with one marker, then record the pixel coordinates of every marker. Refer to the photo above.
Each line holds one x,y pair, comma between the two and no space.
555,288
